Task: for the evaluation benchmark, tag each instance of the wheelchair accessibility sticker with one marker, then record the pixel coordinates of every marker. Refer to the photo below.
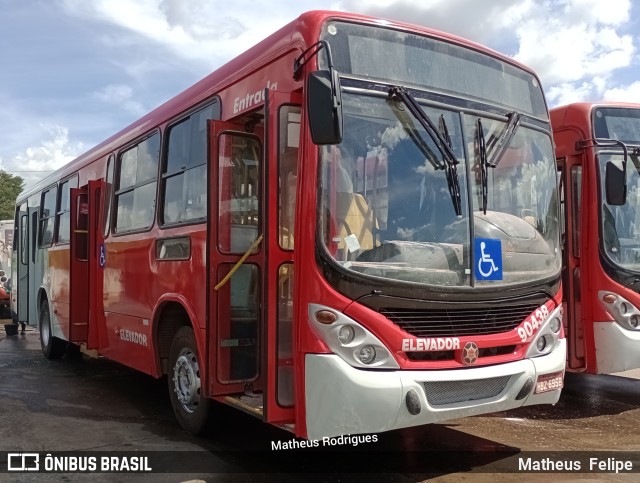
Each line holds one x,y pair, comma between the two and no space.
488,259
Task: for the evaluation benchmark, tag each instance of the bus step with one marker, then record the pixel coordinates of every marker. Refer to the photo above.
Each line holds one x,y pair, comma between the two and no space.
250,404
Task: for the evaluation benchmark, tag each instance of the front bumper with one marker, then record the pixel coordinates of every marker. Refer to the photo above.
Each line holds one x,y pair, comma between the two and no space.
341,399
617,348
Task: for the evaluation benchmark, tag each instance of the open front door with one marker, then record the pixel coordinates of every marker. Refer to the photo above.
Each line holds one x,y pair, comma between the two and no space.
84,263
283,140
237,264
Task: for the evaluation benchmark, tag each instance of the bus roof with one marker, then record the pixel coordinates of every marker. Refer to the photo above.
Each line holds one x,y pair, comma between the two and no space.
579,113
297,34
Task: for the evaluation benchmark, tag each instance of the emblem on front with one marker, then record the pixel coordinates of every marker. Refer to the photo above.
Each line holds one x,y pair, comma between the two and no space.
470,353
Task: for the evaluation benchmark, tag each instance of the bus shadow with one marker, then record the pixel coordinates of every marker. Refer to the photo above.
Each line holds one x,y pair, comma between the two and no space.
586,396
247,445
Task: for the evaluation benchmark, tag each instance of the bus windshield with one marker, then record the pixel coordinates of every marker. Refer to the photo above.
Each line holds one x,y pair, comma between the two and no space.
621,224
387,208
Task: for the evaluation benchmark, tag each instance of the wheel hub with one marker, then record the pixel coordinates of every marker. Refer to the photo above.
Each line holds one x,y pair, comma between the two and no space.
186,380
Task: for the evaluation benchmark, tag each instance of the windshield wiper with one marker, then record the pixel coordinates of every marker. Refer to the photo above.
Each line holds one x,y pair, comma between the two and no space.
482,153
443,144
452,170
505,139
499,147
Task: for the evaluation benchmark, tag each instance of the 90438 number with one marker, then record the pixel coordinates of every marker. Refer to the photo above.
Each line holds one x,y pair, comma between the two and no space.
532,324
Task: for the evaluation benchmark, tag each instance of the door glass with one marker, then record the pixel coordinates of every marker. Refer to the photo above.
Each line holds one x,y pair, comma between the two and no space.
288,144
239,303
81,229
285,335
239,191
576,190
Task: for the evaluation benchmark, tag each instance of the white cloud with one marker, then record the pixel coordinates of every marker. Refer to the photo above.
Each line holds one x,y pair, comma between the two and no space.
630,93
568,92
196,30
570,51
121,95
53,151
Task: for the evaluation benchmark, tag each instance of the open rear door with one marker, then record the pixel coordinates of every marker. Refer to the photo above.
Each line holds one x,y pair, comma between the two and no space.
86,242
79,267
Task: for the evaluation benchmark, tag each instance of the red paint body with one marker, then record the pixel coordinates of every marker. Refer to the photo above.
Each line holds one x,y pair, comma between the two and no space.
584,273
101,306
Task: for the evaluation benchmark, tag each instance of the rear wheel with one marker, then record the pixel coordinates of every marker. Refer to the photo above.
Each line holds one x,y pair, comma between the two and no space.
52,347
190,405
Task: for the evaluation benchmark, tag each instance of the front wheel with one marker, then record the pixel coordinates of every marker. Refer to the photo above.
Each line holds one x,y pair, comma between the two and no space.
52,347
190,405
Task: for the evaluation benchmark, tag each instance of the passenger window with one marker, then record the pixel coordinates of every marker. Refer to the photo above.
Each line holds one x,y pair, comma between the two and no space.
63,215
184,191
108,194
47,217
136,194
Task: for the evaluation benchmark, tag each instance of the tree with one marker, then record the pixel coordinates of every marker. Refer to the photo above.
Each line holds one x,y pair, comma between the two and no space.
10,188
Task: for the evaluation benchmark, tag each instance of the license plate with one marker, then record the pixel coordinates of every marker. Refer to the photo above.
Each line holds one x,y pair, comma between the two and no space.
549,382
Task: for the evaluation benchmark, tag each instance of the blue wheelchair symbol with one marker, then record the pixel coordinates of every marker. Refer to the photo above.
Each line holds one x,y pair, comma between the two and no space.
103,258
488,259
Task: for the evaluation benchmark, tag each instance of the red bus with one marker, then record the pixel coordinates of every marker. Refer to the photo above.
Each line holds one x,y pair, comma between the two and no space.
598,149
350,228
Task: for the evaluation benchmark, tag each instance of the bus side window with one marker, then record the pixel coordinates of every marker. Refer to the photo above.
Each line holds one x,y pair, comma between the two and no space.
108,195
136,195
184,175
47,217
63,216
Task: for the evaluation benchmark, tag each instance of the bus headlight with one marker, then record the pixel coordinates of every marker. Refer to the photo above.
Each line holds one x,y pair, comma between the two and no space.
367,354
346,334
555,324
547,336
541,343
354,343
621,310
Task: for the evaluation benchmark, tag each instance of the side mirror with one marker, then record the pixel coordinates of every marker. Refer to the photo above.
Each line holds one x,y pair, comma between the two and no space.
615,185
324,104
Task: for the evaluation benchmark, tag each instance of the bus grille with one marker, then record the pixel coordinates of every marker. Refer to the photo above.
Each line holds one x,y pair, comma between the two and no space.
440,393
459,322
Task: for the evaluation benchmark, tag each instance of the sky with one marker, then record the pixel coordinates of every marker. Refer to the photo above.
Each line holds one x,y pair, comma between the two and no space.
74,72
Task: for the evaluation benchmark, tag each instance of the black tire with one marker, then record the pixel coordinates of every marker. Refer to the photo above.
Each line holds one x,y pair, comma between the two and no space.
52,347
190,406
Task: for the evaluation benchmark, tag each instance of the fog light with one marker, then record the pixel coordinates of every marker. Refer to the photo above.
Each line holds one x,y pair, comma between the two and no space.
526,389
367,354
346,334
412,400
541,343
634,321
554,325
